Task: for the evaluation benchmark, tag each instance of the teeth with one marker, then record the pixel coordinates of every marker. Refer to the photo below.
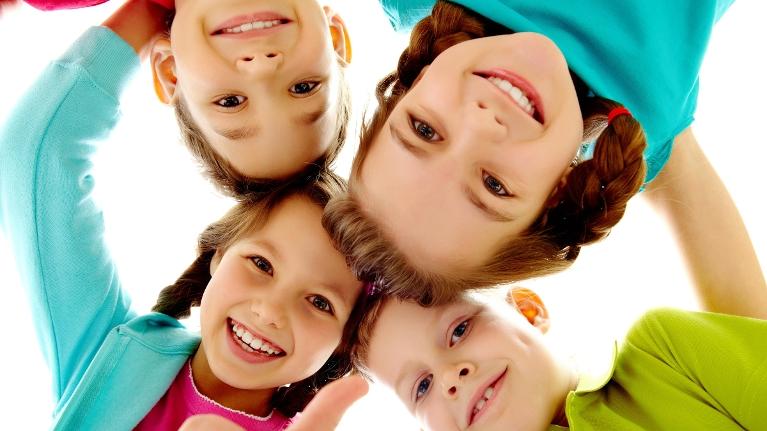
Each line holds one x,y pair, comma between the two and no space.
480,404
516,94
251,343
488,393
256,25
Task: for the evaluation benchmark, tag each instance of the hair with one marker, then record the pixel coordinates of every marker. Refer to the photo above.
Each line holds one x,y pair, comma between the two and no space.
231,182
246,217
592,200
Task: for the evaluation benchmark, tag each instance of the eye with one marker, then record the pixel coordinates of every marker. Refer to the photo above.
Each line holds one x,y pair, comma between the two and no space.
304,87
321,303
494,186
423,387
424,130
230,101
459,332
262,264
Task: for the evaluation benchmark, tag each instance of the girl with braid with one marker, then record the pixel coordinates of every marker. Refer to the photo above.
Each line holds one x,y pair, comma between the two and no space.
513,133
275,296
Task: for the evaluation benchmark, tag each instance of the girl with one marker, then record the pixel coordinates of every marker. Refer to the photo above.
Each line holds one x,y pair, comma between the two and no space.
486,129
258,87
467,365
274,294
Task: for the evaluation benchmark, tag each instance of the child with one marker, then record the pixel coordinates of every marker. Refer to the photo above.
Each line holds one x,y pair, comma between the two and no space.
274,294
492,185
465,365
258,89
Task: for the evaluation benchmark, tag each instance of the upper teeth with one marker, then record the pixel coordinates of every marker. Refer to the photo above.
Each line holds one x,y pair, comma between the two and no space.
253,341
481,403
517,94
255,25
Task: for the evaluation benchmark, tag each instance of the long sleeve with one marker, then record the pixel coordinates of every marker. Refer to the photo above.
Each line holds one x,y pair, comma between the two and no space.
46,209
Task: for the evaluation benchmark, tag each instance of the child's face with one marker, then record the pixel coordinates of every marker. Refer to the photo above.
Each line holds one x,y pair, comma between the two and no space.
464,366
265,99
287,288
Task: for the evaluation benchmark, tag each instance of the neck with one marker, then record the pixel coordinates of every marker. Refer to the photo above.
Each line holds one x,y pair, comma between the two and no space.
257,402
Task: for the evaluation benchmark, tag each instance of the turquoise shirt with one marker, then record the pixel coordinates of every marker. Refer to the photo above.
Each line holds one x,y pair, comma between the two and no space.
679,370
645,54
109,367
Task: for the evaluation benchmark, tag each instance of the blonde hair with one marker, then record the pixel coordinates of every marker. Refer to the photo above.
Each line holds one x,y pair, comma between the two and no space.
593,199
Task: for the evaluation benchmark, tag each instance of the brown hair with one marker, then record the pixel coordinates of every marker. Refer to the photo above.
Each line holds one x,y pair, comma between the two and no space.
593,199
231,182
245,217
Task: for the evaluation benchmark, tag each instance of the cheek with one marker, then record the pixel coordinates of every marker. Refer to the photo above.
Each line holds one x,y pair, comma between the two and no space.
316,339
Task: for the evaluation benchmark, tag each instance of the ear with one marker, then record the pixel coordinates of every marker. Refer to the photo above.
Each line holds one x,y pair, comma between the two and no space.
342,44
215,261
163,70
530,306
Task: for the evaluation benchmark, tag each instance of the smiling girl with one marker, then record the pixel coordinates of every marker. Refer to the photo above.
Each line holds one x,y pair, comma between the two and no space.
513,133
275,296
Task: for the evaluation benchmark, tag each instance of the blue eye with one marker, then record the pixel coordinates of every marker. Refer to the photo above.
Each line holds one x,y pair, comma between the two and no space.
424,130
459,332
321,303
304,87
494,186
262,264
423,387
230,101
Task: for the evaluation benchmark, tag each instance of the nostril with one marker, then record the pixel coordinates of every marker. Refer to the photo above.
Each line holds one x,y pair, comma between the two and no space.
464,372
452,390
247,59
481,105
271,55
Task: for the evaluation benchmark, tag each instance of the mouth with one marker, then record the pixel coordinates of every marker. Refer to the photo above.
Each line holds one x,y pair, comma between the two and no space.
251,25
252,347
484,397
519,90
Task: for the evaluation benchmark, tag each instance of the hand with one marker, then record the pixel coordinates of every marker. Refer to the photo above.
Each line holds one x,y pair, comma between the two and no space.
322,414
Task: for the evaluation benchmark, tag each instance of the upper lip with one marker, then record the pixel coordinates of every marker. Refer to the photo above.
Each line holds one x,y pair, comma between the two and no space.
480,392
520,83
258,334
244,19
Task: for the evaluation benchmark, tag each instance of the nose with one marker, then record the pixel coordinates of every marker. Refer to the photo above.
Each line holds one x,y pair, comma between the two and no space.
483,123
453,377
261,63
268,310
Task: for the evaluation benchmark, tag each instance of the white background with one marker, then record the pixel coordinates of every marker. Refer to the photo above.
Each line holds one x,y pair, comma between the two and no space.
155,203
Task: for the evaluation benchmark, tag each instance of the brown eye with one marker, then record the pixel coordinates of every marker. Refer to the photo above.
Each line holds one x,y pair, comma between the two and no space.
494,186
230,101
424,130
321,303
262,264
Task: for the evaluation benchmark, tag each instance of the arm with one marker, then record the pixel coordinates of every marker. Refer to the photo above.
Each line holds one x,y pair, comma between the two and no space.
137,22
46,209
710,232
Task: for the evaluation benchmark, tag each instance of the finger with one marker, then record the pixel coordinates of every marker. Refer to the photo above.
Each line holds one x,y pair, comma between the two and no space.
326,409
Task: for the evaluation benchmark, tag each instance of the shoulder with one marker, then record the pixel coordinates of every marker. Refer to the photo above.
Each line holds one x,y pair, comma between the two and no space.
160,332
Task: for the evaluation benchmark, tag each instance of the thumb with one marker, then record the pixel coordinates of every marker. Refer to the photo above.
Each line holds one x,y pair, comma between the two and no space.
326,409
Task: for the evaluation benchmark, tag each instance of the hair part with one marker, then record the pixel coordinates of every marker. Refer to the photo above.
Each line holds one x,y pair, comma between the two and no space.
225,176
592,200
245,217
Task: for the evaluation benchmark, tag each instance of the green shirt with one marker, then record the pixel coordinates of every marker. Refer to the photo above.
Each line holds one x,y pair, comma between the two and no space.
680,370
645,54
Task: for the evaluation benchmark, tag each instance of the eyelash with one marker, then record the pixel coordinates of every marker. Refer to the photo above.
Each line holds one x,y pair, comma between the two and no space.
239,100
422,128
420,390
493,188
327,306
312,84
262,264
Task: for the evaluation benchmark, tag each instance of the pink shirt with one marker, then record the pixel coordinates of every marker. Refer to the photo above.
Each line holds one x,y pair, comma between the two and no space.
183,400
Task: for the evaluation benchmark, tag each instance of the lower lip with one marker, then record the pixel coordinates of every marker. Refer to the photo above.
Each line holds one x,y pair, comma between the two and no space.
236,347
520,83
488,404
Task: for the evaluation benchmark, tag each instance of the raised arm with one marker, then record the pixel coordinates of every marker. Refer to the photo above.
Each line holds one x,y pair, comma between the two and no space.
138,22
709,231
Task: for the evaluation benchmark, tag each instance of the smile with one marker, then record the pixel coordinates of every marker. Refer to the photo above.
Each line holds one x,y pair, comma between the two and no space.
485,397
255,24
521,92
253,343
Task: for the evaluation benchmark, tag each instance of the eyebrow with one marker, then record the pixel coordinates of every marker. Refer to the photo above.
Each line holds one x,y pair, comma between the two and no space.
239,133
274,251
490,213
310,117
405,142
